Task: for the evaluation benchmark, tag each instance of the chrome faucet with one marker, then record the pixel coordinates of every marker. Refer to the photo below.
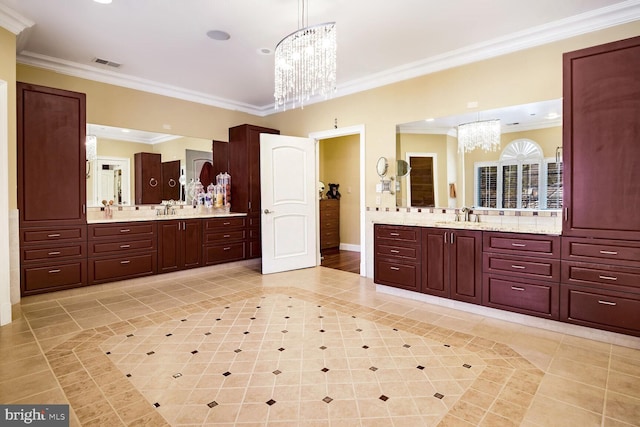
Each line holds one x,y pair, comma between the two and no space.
466,212
168,207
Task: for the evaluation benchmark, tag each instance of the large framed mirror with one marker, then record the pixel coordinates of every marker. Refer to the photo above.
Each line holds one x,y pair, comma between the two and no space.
443,177
110,176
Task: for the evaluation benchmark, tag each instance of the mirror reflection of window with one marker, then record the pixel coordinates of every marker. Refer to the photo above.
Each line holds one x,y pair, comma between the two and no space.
521,179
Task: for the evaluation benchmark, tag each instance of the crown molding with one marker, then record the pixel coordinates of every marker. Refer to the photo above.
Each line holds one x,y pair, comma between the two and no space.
13,21
610,16
617,14
118,79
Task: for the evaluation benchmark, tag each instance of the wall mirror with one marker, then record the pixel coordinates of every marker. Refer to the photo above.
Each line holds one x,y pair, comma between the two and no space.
442,177
111,175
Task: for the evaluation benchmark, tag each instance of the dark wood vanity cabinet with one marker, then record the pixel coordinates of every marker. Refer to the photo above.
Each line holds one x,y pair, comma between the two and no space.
452,263
223,240
179,244
148,178
329,224
521,273
601,283
397,256
601,109
51,129
244,167
122,251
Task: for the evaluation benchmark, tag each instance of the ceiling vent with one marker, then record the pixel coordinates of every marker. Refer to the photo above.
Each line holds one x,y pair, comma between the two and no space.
106,62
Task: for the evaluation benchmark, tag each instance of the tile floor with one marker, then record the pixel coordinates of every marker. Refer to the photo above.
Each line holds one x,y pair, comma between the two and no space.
226,345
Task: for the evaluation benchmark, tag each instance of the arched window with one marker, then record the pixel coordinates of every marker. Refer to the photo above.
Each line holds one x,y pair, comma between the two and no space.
521,179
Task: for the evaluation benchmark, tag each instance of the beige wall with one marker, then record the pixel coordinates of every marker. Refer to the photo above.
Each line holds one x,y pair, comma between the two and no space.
522,77
339,162
8,74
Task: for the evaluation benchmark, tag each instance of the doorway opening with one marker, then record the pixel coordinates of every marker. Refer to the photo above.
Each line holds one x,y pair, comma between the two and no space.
341,147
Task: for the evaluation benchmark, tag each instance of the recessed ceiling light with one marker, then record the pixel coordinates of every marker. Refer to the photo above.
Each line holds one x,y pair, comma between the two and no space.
430,119
265,51
102,1
218,35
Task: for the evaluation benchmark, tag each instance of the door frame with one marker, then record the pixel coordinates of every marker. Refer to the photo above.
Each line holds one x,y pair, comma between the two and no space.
125,165
5,263
334,133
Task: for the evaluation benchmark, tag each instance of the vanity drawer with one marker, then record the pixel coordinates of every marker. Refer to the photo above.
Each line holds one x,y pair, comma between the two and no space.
603,309
400,233
218,224
411,253
216,254
224,236
124,229
44,253
51,277
626,279
618,252
537,268
399,275
110,269
521,295
105,248
513,243
58,234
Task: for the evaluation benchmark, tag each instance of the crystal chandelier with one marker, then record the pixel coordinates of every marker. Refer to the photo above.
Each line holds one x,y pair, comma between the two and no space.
305,64
481,134
91,143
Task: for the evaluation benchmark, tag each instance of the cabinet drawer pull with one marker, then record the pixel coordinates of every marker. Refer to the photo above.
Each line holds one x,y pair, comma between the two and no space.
125,246
606,302
226,249
394,234
125,230
226,223
54,253
519,245
53,235
57,270
226,236
394,251
517,288
394,268
125,262
609,252
519,267
608,277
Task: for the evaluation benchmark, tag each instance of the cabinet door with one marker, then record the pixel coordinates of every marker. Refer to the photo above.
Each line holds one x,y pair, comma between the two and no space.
51,156
169,243
192,243
170,180
466,266
601,106
148,178
435,262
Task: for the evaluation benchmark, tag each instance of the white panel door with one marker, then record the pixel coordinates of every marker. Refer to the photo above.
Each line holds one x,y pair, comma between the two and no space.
289,198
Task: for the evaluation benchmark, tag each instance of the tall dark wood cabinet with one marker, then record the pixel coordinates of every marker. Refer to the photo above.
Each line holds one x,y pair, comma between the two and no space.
329,224
244,168
600,266
601,141
51,188
148,178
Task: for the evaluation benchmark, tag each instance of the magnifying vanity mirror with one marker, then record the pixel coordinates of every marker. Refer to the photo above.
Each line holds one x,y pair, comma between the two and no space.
382,166
402,169
482,179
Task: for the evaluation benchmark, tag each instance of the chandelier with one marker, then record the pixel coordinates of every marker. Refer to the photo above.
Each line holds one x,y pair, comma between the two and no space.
481,134
305,63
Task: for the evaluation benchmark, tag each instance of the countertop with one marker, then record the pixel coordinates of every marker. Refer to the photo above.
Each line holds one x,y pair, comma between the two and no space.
150,215
531,228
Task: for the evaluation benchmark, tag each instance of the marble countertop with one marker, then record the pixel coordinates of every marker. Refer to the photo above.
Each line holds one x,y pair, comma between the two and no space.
150,215
531,228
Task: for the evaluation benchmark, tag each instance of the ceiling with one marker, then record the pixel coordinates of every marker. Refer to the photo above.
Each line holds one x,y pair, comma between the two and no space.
162,45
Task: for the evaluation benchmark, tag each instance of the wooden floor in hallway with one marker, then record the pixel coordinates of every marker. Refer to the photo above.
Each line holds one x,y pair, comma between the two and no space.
341,260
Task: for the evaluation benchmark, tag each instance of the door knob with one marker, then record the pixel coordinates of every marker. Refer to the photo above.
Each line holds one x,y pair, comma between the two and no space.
267,211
